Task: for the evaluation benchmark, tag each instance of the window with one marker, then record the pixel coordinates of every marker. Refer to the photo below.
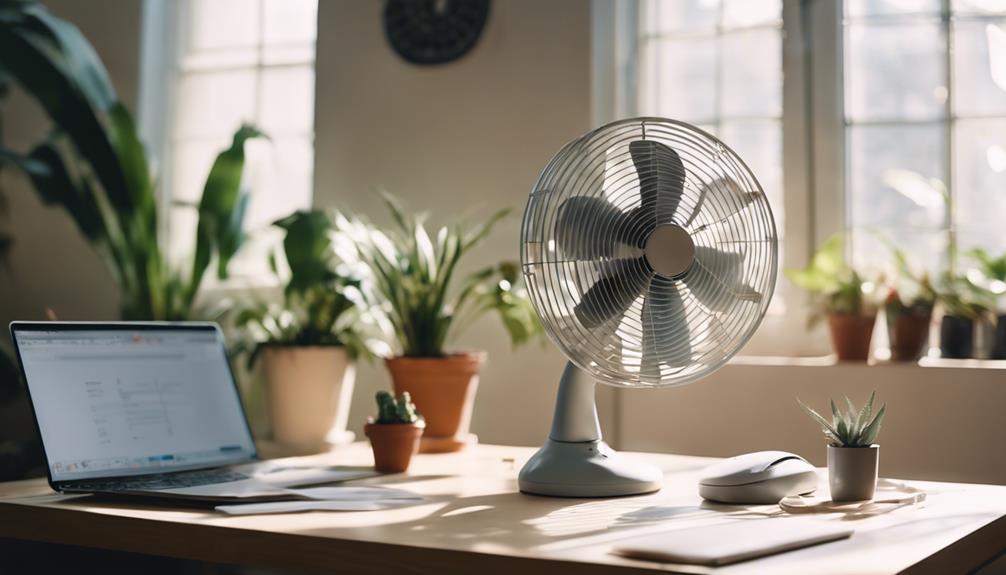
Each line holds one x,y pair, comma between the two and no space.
925,123
216,64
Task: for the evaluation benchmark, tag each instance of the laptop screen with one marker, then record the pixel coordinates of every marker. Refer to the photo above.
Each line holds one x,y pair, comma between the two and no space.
127,400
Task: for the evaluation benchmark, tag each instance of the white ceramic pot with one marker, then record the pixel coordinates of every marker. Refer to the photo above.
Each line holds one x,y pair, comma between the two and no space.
308,393
852,472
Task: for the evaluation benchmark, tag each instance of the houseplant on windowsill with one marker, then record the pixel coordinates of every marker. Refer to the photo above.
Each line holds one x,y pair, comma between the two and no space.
853,457
964,306
308,343
992,272
844,297
395,433
94,166
425,302
908,309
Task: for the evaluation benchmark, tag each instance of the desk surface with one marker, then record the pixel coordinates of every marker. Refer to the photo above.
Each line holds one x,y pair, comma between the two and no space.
476,521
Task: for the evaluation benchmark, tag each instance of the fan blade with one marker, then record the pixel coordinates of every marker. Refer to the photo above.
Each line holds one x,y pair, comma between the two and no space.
621,282
590,228
661,180
727,197
715,278
666,334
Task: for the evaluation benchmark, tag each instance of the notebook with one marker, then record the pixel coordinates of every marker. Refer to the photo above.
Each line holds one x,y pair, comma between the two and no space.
731,542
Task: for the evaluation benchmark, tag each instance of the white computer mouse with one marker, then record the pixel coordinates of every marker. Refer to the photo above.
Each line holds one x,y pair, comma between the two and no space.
756,478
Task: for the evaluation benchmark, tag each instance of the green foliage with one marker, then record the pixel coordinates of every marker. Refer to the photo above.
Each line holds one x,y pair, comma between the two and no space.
918,294
962,298
317,299
93,165
390,410
994,268
854,428
414,275
836,286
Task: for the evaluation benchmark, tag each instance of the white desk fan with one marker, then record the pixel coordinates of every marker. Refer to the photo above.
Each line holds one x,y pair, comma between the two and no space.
649,251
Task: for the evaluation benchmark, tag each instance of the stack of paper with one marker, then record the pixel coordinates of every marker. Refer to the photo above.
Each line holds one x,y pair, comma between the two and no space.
331,499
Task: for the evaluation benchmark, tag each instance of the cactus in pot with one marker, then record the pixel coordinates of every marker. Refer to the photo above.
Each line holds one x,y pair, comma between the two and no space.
395,432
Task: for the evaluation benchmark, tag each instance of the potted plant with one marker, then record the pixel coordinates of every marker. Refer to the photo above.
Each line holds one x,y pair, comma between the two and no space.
426,302
963,308
94,166
993,280
853,456
842,294
308,343
395,432
908,310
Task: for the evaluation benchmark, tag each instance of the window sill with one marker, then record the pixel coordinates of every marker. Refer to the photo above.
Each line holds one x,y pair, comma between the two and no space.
832,361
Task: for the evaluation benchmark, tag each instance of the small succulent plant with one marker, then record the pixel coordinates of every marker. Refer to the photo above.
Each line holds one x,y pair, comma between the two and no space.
390,410
854,428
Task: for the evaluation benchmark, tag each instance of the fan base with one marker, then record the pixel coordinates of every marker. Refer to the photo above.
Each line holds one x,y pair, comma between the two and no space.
586,469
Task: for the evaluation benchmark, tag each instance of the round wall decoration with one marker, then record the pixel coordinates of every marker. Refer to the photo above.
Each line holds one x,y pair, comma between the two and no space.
430,32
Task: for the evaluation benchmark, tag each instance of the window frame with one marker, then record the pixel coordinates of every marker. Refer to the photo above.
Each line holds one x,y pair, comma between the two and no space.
162,40
614,62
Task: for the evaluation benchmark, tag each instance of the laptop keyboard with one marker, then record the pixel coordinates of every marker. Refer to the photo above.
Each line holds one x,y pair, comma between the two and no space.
159,481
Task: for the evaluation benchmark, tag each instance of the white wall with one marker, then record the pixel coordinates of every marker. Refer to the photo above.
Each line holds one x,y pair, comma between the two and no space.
472,133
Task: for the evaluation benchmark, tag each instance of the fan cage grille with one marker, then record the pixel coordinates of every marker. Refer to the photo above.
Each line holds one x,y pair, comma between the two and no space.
696,322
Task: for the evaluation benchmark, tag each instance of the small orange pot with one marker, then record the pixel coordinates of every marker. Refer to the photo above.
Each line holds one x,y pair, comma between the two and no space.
851,335
394,444
443,389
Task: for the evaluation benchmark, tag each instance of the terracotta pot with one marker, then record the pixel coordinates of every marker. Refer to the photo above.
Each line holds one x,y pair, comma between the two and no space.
908,334
851,335
957,337
443,390
394,444
308,393
852,472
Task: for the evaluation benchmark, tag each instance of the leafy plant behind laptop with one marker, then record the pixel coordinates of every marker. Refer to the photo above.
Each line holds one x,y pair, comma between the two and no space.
322,302
93,165
854,428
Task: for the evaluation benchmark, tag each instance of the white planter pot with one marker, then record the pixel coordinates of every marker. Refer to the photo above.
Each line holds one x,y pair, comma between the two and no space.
308,393
852,472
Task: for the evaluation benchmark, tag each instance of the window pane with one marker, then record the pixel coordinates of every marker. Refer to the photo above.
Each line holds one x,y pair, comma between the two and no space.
752,73
213,105
759,144
980,183
856,8
737,13
980,68
287,101
290,21
191,164
216,24
896,184
979,6
663,16
686,79
280,171
895,71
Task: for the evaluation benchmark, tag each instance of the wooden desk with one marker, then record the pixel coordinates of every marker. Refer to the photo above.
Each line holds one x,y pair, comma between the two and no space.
476,522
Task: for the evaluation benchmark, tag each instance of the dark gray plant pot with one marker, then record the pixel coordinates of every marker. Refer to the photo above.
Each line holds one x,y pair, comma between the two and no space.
999,343
852,472
957,337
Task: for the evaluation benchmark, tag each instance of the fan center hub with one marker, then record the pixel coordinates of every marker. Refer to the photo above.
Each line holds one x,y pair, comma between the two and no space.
670,250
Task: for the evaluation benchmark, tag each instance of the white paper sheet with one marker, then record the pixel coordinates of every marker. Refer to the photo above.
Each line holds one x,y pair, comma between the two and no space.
290,472
331,499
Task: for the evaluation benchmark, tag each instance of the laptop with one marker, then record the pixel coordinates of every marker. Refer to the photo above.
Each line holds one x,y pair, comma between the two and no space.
142,409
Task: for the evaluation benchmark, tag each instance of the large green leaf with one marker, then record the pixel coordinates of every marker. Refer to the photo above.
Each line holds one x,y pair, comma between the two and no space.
307,248
31,54
221,211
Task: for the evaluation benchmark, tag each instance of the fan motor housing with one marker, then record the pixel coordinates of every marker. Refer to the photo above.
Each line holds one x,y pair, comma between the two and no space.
670,250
